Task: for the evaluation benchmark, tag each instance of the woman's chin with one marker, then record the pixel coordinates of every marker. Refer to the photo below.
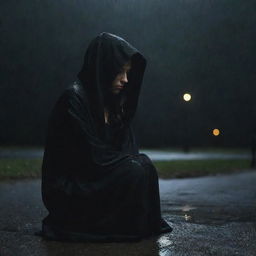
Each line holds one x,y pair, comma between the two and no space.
116,91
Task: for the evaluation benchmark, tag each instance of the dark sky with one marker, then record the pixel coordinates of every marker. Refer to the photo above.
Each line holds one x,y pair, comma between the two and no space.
205,47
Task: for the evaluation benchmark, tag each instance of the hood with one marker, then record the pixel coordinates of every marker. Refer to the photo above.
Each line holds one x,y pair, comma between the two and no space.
105,56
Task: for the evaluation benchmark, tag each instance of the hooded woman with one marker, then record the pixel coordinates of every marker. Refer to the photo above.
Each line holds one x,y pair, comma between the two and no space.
95,184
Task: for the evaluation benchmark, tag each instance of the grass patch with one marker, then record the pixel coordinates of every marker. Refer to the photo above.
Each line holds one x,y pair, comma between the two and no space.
20,168
18,147
31,168
196,168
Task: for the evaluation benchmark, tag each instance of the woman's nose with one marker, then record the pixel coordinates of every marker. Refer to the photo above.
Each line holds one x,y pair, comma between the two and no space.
124,78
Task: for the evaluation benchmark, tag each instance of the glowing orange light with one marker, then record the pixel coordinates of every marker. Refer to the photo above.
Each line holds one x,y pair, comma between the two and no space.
216,132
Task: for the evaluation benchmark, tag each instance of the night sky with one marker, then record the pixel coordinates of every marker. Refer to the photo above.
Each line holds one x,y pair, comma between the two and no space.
203,47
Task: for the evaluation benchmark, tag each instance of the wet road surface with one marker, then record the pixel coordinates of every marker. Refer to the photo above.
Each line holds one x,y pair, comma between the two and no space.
209,216
155,155
158,155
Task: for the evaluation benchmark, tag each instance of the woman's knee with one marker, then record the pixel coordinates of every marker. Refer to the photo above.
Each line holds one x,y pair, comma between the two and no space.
146,161
135,168
144,158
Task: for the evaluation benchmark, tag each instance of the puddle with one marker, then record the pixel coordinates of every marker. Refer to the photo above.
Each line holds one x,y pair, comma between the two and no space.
209,215
165,252
183,208
165,244
187,208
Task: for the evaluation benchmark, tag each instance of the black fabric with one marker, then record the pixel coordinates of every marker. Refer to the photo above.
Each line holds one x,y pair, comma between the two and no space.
95,183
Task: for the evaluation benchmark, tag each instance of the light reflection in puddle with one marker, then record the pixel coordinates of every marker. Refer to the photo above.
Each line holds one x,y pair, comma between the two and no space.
165,252
187,208
187,217
164,244
184,208
164,241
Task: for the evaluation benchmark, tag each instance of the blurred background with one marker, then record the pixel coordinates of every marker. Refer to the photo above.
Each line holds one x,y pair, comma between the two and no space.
202,48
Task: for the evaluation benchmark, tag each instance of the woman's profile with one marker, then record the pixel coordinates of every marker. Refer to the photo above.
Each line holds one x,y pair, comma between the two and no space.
96,185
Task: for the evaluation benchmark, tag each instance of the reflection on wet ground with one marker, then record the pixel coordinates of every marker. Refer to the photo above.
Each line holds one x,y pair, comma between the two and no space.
209,216
165,245
210,200
172,155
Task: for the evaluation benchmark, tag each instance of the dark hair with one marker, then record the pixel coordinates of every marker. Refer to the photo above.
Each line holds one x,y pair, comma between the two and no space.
114,106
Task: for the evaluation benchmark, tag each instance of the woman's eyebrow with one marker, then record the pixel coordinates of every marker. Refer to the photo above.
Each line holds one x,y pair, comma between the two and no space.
127,69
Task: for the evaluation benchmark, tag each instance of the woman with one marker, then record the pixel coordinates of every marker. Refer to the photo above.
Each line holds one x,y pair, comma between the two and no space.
95,184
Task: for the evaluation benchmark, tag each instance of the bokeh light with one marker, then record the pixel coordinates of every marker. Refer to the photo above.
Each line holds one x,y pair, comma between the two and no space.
216,132
187,97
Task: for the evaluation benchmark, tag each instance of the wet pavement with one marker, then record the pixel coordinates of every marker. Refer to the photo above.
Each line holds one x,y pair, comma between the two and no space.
209,215
158,155
155,155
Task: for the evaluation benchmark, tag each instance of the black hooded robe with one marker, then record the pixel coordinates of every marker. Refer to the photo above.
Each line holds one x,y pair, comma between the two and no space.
95,184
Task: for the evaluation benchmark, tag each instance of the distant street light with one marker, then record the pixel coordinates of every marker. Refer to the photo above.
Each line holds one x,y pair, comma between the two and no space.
187,97
216,132
186,139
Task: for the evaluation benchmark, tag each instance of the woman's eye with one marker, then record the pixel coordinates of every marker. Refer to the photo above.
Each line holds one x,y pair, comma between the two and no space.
122,71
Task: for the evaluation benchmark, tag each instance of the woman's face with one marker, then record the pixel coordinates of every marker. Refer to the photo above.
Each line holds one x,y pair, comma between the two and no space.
121,79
